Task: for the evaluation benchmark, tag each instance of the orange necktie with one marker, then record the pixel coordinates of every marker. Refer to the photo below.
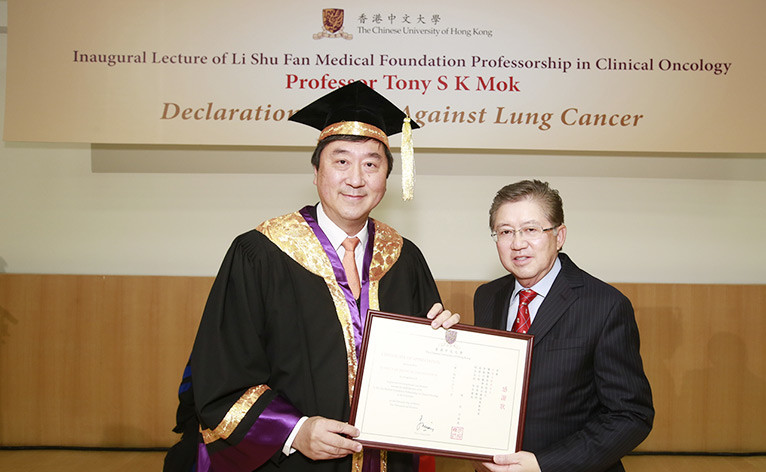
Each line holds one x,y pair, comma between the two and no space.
349,265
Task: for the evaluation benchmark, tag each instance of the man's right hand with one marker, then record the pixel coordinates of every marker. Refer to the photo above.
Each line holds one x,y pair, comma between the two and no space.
322,438
521,461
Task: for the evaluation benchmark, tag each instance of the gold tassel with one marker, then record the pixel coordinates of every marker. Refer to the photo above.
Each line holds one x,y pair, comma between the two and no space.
408,161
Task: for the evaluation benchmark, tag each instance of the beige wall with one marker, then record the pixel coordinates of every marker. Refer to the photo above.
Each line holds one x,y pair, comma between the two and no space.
58,216
67,208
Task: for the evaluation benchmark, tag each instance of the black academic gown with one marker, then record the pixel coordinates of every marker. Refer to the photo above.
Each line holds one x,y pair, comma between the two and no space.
275,320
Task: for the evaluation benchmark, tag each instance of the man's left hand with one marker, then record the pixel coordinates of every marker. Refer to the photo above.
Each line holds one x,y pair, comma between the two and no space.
442,318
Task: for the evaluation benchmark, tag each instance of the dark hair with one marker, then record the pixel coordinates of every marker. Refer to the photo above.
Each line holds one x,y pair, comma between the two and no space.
348,137
536,190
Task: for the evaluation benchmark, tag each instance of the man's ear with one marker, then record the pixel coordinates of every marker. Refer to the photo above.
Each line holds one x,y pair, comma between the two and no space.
561,236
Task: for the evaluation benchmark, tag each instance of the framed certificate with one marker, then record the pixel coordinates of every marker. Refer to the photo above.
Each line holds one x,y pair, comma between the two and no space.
459,392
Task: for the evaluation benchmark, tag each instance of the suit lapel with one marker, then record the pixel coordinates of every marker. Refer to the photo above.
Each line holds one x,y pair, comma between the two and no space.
501,304
562,294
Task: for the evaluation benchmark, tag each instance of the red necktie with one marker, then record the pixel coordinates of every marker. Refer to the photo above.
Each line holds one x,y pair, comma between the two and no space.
521,325
349,265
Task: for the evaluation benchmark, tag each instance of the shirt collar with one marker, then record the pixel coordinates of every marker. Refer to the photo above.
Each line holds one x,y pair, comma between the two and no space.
333,231
544,285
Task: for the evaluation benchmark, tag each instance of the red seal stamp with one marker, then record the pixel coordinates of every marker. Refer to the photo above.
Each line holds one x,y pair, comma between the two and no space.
456,433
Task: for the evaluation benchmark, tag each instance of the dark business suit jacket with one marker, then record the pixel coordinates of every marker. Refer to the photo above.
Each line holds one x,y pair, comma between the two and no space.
589,402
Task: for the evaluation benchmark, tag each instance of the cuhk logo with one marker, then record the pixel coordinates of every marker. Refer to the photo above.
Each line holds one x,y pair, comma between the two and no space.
332,25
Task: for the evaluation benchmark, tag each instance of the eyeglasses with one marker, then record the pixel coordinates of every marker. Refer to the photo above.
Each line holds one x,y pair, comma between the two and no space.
527,233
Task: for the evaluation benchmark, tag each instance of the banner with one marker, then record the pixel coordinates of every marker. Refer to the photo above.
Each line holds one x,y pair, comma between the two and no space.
649,76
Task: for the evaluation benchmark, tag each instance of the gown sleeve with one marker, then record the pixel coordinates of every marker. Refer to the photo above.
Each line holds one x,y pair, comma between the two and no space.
244,422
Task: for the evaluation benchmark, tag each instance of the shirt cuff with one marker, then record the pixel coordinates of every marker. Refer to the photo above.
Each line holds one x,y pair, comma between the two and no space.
287,449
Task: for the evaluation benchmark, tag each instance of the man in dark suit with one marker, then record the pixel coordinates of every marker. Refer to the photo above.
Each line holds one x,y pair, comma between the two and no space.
589,402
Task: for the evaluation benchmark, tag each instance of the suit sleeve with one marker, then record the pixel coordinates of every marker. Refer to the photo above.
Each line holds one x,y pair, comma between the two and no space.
482,309
244,422
624,396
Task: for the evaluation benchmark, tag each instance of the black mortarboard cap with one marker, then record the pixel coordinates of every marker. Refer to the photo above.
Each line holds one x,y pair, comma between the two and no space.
353,103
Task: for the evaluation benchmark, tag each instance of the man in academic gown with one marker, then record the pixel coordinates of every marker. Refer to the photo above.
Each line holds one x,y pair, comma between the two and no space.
273,366
589,402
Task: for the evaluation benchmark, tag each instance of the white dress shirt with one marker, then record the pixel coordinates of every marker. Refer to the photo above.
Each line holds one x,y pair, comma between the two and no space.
541,288
336,237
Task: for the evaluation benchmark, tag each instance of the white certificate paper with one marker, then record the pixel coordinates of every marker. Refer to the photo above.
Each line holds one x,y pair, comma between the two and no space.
459,392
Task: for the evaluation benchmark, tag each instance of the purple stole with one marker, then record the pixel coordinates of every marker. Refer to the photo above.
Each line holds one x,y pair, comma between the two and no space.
358,310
